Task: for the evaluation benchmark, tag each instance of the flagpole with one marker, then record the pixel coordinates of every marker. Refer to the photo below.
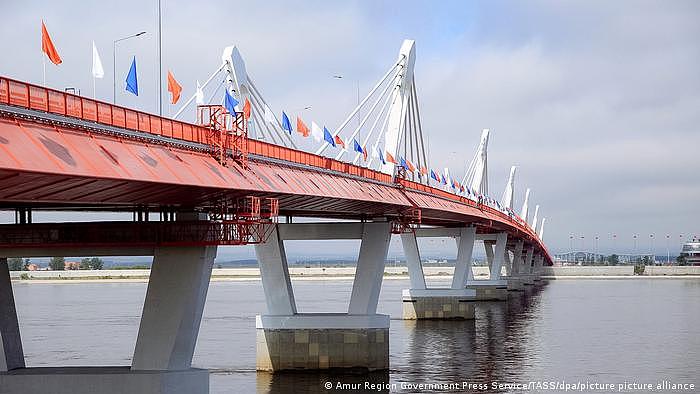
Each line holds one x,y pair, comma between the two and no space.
94,95
44,64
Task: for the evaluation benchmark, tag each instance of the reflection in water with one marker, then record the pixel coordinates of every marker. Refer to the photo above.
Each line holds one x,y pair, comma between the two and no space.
318,382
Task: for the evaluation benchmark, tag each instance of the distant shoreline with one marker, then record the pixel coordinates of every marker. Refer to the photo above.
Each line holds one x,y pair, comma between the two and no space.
347,273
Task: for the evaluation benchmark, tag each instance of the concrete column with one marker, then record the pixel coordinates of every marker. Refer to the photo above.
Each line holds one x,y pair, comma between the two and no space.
370,268
508,263
517,259
11,354
274,272
463,265
528,260
413,263
497,256
172,312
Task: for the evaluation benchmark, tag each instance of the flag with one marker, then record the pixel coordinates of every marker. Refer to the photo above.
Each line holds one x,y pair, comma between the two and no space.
269,116
339,141
303,129
423,171
328,137
174,88
390,158
364,153
434,175
132,84
286,124
381,156
316,132
47,46
199,95
230,103
410,166
444,180
97,70
356,146
246,108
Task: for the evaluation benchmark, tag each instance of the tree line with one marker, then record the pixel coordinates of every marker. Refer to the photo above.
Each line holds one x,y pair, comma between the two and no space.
56,264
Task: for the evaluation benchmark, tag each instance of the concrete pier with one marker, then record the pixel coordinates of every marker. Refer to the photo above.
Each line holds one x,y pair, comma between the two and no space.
489,290
170,321
443,304
322,341
358,339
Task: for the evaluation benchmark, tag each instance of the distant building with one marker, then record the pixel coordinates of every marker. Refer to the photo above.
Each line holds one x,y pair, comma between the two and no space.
71,265
32,267
691,252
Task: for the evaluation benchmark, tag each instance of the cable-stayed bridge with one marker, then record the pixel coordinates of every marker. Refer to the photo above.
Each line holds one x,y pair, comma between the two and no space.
226,179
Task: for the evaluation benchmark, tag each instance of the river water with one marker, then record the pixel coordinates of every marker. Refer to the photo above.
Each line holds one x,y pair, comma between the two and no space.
639,331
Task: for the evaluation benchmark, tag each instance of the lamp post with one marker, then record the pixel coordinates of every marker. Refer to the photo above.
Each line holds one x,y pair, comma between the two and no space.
653,255
635,247
668,250
114,63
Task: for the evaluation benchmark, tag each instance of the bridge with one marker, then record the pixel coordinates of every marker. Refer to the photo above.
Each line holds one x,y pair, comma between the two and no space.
239,175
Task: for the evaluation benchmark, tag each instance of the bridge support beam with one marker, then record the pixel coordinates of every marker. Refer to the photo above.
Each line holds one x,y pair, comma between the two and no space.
514,280
11,354
495,288
161,364
526,273
420,302
358,339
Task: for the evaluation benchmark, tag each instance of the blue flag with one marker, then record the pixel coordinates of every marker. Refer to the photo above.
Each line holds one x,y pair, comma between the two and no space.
230,103
434,175
357,146
381,156
328,137
132,84
402,162
286,124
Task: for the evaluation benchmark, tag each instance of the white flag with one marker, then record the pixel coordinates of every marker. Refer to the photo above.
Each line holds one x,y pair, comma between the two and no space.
269,116
199,95
97,70
316,132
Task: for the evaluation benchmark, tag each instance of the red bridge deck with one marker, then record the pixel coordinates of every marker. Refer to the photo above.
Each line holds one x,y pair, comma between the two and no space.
62,150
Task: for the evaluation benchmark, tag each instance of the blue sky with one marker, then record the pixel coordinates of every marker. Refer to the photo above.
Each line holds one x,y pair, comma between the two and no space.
595,101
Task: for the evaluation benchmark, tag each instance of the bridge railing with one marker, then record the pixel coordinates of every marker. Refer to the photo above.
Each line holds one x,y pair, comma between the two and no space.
27,95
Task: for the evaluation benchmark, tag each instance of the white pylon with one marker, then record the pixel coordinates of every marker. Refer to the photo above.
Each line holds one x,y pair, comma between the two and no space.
477,172
399,106
534,218
542,228
523,212
507,198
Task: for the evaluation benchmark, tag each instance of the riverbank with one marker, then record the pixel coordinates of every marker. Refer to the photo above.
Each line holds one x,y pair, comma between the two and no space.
347,273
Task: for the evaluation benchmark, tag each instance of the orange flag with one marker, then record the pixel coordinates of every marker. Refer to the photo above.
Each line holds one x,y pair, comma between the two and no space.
174,88
410,166
339,141
390,158
301,127
246,108
423,171
47,46
364,153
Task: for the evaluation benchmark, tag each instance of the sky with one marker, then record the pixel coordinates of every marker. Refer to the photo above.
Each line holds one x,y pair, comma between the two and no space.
596,102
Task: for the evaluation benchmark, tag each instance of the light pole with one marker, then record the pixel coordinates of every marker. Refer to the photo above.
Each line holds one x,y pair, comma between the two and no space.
653,255
595,250
668,250
114,63
635,247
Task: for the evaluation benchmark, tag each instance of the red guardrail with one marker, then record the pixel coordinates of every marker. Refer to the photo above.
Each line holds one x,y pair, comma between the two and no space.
27,95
